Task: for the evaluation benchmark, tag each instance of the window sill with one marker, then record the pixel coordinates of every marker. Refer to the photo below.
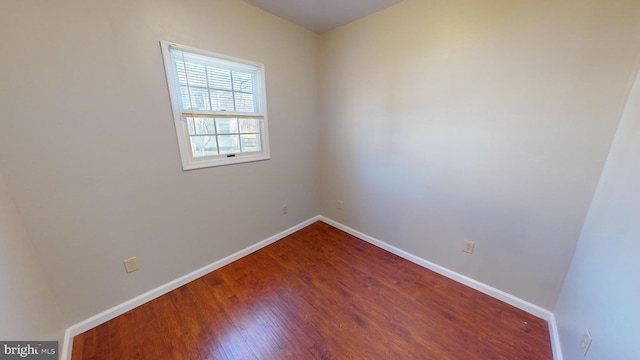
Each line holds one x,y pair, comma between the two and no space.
238,159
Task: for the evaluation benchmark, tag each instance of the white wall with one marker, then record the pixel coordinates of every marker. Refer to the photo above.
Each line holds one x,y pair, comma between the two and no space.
602,291
89,149
482,120
28,310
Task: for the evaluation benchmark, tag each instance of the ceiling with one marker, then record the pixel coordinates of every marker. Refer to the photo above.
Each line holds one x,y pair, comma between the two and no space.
322,15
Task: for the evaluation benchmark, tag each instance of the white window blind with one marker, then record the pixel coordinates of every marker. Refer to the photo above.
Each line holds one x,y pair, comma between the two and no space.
219,107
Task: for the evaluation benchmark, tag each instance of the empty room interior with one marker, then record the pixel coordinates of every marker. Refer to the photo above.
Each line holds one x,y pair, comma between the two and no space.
491,146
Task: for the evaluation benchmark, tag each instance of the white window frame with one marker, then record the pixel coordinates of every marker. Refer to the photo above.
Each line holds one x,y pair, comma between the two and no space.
189,162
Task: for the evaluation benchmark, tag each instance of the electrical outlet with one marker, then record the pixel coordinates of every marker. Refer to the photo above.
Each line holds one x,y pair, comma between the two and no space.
131,264
340,205
468,246
585,342
285,209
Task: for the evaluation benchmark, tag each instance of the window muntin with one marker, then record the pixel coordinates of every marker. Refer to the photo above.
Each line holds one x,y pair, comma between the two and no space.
210,136
219,107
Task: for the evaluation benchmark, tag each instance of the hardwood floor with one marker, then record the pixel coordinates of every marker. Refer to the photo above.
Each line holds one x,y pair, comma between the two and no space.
320,294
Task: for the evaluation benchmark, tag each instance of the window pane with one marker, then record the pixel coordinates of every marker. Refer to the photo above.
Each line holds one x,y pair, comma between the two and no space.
222,100
181,72
229,144
192,130
201,126
248,125
194,99
250,142
219,78
191,74
244,102
242,82
202,146
227,126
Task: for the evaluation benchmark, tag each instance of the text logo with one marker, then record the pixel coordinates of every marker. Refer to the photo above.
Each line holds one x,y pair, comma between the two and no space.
34,350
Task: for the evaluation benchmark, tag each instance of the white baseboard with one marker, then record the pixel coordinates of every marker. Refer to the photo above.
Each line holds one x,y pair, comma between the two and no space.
163,289
117,310
474,284
555,338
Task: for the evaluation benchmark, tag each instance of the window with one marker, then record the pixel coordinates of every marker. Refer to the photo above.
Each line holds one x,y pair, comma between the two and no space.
219,107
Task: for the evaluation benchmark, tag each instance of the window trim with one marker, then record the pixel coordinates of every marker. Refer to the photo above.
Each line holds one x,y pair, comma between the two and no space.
182,131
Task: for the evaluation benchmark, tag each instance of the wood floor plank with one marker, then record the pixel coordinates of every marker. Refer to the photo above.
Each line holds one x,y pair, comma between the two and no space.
224,304
201,319
77,349
320,293
368,314
217,330
147,332
175,333
90,341
122,340
247,311
96,343
269,304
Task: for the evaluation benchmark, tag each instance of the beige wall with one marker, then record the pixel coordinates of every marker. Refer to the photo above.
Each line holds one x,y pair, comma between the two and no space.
602,292
482,120
28,310
89,149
